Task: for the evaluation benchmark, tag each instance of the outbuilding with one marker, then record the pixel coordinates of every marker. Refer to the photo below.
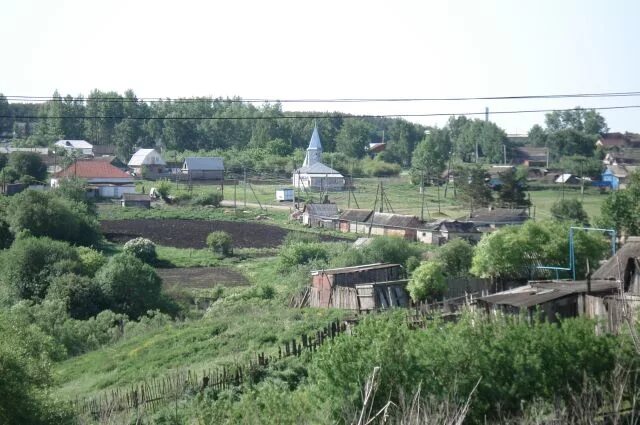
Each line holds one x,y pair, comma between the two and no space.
359,288
136,200
81,146
321,215
147,161
203,168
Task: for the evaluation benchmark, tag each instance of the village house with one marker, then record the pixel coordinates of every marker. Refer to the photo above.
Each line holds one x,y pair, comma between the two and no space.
487,219
314,175
623,156
352,220
103,179
147,161
530,156
442,231
389,224
321,215
614,141
616,176
566,178
136,200
360,288
203,168
80,146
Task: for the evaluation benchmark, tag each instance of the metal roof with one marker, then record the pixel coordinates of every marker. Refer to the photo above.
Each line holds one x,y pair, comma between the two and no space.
91,169
146,157
322,210
609,270
355,269
393,220
497,216
314,143
317,168
536,293
75,144
359,216
209,163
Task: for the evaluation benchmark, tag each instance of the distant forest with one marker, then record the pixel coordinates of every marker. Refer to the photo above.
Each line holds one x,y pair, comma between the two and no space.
216,124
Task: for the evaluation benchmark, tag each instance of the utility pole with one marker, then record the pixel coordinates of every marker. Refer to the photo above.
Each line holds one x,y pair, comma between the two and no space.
504,154
582,180
422,195
244,170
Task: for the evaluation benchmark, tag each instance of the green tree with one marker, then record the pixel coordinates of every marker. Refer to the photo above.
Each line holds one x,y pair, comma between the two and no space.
354,137
537,136
586,121
30,264
621,209
431,155
130,286
141,248
513,189
570,210
28,164
390,249
455,257
580,165
46,214
220,242
471,181
427,282
82,297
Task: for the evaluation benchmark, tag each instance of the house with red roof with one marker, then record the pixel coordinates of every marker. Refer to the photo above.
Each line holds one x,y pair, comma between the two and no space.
102,177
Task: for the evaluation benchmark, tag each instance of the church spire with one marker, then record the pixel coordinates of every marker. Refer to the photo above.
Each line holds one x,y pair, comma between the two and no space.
314,151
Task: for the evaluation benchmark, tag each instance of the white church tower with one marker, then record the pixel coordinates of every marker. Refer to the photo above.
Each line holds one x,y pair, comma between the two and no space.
314,151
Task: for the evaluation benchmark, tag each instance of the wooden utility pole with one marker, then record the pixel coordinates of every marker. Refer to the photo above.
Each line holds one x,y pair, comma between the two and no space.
244,170
422,195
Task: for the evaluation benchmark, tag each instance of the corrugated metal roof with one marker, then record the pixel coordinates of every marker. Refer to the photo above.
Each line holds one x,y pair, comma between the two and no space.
536,293
146,157
322,210
364,267
75,144
497,216
393,220
209,163
355,215
314,143
93,170
609,270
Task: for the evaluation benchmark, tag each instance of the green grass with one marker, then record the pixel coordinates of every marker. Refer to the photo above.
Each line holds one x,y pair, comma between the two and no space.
186,257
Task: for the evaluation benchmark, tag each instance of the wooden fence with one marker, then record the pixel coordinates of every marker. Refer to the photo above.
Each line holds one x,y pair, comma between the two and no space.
149,395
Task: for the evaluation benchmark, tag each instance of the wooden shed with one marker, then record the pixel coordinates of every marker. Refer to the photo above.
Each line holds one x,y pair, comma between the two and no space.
388,224
320,215
203,168
352,220
359,288
136,200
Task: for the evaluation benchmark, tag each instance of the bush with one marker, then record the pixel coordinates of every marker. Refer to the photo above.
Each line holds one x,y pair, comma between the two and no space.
455,257
141,248
303,237
91,260
30,264
299,253
82,297
46,214
164,188
374,168
220,242
131,287
427,282
28,166
212,198
570,210
390,249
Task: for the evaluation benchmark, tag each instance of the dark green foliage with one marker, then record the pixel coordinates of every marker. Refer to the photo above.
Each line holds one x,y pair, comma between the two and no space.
431,155
90,260
570,210
28,164
581,166
621,209
131,287
81,296
220,242
455,257
514,362
46,214
6,237
378,168
471,182
75,190
30,264
212,198
513,190
141,248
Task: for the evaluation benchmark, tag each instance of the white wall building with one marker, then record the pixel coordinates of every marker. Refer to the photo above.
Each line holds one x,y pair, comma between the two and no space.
314,175
80,146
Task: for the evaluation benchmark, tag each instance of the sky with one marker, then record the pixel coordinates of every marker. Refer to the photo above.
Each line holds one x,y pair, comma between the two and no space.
333,49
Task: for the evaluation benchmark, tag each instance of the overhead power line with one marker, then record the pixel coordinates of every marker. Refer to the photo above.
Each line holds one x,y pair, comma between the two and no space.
313,116
21,98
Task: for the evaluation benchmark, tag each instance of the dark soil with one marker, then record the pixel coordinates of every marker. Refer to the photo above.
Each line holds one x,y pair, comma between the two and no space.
193,233
202,277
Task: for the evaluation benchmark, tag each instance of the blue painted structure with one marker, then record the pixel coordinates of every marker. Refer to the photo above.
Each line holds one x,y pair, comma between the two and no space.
609,177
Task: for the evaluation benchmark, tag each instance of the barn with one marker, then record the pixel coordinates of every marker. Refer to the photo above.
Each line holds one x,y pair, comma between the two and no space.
359,288
388,224
204,168
352,220
320,215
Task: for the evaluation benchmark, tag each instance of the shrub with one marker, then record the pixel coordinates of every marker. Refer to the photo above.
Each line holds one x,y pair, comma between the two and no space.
30,263
212,198
131,287
571,210
390,249
46,214
141,248
303,237
82,297
455,257
28,166
220,242
164,188
373,168
427,282
91,260
299,253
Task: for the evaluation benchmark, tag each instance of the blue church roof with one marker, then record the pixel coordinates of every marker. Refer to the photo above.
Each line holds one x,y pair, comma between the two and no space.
314,143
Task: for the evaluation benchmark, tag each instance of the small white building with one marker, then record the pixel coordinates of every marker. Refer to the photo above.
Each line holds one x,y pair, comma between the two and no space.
285,194
314,175
148,158
81,146
103,178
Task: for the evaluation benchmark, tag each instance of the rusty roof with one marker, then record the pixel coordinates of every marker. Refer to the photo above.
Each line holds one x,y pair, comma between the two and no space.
393,220
536,293
355,269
